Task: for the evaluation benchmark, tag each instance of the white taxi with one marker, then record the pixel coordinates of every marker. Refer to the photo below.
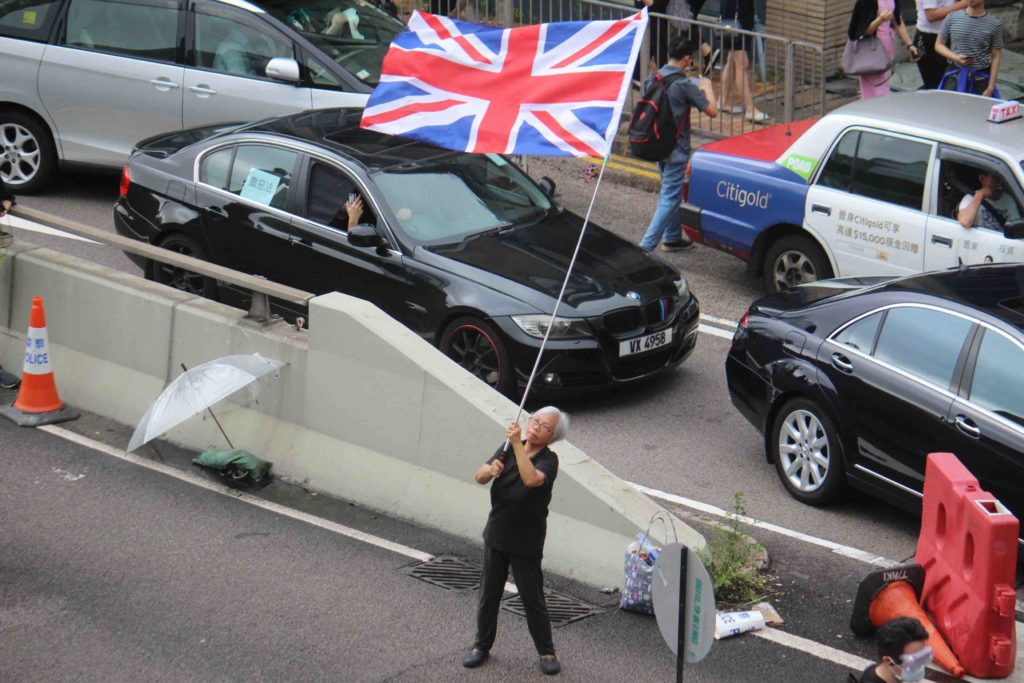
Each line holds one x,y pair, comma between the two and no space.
882,186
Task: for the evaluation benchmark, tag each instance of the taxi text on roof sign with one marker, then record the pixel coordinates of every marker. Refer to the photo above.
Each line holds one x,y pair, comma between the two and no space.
1004,111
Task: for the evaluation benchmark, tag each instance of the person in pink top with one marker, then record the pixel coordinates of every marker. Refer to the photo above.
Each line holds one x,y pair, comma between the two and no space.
882,18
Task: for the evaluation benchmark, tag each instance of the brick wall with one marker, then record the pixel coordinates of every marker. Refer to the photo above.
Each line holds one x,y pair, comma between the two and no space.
820,22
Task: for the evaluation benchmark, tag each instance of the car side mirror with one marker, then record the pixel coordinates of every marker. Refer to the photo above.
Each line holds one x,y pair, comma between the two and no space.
1014,230
547,186
283,69
365,235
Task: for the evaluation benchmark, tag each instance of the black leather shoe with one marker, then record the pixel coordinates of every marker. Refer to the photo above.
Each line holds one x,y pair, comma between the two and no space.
474,658
550,665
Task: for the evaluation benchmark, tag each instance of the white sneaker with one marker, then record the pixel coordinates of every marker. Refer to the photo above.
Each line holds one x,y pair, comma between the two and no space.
736,109
757,116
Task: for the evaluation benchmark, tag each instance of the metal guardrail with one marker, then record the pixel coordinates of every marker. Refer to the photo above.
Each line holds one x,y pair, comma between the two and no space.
780,77
261,288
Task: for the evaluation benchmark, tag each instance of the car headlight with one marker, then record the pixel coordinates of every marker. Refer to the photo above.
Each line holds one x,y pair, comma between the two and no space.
682,288
564,328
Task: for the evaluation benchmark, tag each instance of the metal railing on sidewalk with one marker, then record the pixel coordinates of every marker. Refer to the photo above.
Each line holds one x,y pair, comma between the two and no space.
759,78
261,288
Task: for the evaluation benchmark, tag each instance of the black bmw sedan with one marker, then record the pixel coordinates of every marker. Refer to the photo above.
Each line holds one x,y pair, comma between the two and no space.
859,384
465,250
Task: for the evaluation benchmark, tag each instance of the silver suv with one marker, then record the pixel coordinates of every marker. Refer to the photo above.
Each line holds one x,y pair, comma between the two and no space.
81,81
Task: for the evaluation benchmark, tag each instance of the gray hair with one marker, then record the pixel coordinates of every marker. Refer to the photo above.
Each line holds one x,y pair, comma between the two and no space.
561,427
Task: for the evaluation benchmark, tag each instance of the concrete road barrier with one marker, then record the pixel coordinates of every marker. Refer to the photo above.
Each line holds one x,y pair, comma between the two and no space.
364,410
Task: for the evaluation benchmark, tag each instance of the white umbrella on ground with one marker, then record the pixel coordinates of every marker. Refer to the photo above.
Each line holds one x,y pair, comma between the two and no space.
198,389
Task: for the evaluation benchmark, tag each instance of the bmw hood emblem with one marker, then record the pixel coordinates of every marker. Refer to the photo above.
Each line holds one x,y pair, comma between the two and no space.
633,295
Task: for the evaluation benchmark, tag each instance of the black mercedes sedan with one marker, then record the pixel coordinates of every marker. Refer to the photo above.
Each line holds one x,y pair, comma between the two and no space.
464,249
858,384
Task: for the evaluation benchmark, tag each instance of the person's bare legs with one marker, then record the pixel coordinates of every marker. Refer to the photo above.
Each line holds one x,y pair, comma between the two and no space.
727,79
743,79
746,88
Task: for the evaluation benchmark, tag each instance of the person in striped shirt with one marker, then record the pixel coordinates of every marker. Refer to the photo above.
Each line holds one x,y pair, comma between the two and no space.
972,40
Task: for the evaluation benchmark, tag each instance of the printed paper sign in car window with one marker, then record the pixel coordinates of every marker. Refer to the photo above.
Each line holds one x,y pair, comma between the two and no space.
260,186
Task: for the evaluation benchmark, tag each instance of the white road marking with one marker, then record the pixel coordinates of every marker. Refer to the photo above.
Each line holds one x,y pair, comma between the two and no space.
714,331
776,636
724,322
32,226
215,487
706,508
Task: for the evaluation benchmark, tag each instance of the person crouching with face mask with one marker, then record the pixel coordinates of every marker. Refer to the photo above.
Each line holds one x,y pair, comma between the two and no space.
904,651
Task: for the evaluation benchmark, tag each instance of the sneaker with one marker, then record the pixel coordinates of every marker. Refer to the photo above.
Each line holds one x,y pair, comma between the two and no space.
757,116
474,658
736,109
8,381
549,665
681,245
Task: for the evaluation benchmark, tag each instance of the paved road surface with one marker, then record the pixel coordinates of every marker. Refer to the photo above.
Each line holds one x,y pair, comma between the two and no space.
110,571
679,434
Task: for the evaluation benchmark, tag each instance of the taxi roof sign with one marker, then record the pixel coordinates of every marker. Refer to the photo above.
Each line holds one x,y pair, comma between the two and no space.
1004,111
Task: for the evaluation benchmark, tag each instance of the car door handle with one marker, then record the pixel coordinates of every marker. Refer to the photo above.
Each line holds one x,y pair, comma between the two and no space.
842,363
164,83
944,241
967,426
822,209
202,90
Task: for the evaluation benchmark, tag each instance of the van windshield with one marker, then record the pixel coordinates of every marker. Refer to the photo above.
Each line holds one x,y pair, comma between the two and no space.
353,33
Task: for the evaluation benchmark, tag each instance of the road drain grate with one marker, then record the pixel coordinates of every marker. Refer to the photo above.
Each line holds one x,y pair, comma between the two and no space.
562,609
450,573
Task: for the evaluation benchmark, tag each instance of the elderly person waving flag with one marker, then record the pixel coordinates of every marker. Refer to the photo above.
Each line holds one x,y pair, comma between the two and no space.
521,474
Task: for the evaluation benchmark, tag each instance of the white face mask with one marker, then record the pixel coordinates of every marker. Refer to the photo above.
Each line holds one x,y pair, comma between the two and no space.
914,667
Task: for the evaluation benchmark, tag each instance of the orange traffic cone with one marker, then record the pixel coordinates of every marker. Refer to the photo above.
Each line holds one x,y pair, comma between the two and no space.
890,593
38,402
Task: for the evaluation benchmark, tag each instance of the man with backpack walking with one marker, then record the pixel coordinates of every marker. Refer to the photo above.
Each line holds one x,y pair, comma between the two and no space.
659,130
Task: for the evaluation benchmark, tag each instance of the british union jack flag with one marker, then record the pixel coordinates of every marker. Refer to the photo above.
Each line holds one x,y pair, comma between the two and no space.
548,89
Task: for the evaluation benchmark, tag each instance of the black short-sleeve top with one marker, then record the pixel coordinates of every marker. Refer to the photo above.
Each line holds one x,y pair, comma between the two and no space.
518,522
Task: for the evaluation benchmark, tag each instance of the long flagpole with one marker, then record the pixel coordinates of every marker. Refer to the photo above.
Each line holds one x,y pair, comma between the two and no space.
558,301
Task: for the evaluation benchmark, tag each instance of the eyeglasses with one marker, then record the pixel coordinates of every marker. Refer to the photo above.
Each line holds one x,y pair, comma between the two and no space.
537,421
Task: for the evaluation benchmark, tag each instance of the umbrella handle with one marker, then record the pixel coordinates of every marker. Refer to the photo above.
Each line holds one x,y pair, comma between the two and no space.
210,410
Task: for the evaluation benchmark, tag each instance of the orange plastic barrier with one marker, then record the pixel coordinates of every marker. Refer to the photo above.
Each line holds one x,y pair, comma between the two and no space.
968,547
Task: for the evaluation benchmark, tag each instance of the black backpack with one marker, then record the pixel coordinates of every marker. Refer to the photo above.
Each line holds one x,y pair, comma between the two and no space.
652,127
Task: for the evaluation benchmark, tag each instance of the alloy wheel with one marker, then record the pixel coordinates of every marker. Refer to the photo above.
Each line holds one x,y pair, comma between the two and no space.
179,278
804,451
20,155
471,348
793,268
